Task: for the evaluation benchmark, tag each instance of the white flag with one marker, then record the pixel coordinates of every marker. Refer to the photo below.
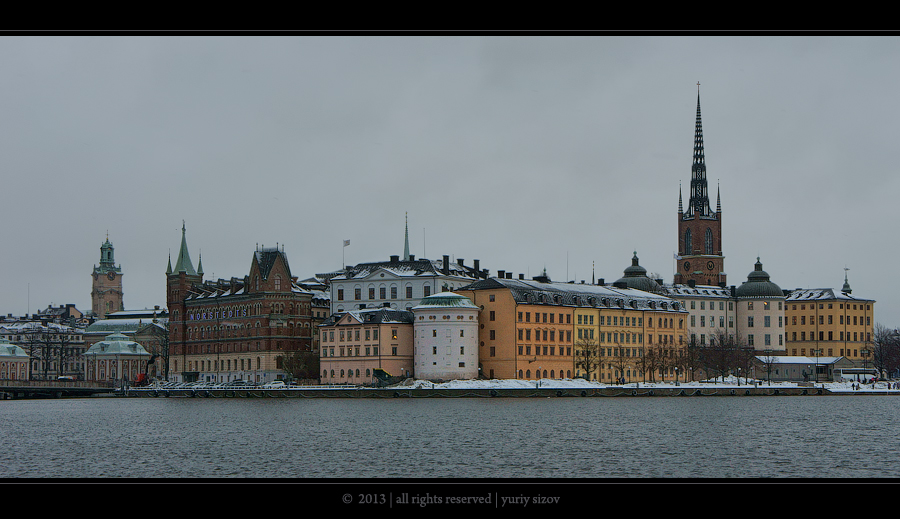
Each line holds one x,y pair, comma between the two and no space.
346,242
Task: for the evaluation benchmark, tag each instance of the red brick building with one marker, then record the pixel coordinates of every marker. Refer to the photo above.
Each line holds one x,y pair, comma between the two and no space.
237,329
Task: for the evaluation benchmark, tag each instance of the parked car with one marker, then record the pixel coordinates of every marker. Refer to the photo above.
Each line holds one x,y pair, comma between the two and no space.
275,384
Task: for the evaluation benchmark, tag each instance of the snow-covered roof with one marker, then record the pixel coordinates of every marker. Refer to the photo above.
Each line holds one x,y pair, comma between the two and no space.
572,294
796,359
370,315
697,291
816,294
413,268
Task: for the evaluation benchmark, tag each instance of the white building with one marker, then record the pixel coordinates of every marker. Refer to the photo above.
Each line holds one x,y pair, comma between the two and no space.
711,310
446,337
759,308
399,284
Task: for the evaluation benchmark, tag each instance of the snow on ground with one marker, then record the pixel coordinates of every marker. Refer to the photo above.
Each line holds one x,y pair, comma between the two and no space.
732,381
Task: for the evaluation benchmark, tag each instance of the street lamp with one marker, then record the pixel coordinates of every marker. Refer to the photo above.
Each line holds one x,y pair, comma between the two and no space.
739,377
676,375
816,352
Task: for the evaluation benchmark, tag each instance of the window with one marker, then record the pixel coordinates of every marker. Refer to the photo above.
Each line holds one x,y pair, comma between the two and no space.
427,290
340,294
491,298
409,292
750,320
493,334
767,321
357,294
371,293
393,292
381,293
492,316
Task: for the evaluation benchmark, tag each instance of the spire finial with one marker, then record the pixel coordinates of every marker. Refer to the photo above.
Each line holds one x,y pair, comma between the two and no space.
846,288
406,239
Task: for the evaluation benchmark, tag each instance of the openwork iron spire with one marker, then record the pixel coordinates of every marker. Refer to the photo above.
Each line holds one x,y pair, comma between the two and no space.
699,202
406,240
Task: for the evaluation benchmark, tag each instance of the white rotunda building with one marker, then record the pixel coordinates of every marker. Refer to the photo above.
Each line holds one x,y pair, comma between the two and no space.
446,337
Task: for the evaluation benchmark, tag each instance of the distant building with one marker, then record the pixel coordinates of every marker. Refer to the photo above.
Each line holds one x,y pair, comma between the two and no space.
446,337
532,329
237,329
63,314
835,322
798,368
53,349
115,359
106,291
358,342
759,311
399,283
711,310
14,361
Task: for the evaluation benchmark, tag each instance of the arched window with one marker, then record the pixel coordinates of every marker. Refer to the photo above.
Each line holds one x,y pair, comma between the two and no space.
528,374
687,242
709,241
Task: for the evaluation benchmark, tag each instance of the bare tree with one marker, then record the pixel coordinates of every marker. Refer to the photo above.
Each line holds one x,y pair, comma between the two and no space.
768,360
886,348
587,356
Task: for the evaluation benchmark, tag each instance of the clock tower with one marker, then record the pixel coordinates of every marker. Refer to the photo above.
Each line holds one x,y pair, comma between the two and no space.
699,254
106,294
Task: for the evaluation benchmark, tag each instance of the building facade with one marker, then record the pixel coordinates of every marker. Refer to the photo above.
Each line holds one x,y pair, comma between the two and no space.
357,343
398,284
14,362
446,337
834,322
237,329
106,291
759,312
530,330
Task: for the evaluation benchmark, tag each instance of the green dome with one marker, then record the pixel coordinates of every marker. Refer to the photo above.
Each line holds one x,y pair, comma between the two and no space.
758,284
445,300
636,277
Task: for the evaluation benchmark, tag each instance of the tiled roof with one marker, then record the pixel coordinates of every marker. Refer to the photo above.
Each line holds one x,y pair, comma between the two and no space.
572,294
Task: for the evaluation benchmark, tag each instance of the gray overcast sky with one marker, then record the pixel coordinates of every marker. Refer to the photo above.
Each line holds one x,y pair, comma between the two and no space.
523,152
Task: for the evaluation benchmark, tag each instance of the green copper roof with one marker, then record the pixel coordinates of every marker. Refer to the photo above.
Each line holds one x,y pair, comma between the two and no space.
184,258
116,344
445,300
8,349
758,284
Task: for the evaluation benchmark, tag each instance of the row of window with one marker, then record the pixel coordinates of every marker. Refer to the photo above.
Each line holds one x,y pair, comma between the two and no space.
812,337
822,319
355,351
223,364
813,351
822,306
382,293
548,335
543,350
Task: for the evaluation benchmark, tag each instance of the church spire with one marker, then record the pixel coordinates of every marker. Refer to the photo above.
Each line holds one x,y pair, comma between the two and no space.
846,288
718,199
699,202
680,209
183,264
406,240
169,267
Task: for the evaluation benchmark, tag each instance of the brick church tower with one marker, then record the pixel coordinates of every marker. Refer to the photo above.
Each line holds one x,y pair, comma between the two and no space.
106,290
178,283
699,228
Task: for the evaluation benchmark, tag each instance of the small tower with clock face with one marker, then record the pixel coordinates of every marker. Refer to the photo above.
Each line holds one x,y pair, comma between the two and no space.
106,292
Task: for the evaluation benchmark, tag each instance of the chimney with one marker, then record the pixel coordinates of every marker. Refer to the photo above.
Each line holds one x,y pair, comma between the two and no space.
395,259
412,257
521,276
476,266
501,274
446,268
460,262
601,281
692,283
509,275
732,290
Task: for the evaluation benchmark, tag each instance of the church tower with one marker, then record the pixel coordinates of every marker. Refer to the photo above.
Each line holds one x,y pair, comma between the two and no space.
700,228
106,291
179,281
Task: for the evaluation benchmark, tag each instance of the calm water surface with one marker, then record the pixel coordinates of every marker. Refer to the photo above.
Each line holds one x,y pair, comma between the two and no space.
714,437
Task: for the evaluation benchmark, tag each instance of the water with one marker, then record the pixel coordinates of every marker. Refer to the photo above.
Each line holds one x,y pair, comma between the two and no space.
705,437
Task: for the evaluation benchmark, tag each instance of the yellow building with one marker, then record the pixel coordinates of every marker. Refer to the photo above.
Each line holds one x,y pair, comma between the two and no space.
835,323
530,329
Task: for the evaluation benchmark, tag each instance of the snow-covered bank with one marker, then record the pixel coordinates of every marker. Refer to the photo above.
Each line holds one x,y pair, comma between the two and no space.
880,387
